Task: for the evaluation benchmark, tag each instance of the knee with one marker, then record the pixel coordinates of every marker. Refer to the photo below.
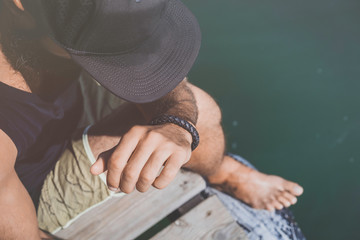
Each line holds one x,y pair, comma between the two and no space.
207,158
209,112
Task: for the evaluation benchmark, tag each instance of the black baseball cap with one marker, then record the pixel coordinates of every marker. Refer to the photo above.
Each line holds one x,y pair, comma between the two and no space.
139,50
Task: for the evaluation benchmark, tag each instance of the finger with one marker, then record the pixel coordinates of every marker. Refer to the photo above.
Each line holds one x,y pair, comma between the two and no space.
169,171
132,170
100,165
120,157
151,170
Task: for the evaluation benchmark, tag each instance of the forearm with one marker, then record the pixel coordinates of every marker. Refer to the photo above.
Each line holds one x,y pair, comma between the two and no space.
192,102
105,134
180,102
167,145
18,217
143,150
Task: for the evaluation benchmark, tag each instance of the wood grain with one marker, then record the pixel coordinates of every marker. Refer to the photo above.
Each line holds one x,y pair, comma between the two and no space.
208,220
131,215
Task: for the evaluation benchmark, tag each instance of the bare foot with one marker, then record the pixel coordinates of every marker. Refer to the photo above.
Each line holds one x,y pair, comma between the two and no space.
259,190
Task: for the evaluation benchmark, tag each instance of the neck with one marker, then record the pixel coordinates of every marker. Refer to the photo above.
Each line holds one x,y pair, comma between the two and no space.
26,63
48,89
10,77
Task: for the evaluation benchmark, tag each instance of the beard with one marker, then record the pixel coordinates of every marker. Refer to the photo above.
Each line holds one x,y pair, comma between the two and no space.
26,54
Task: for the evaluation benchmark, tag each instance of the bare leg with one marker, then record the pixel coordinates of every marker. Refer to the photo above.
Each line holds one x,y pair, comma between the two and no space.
228,175
223,172
207,157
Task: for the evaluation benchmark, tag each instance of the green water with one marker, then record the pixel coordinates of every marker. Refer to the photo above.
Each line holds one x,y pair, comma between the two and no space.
287,76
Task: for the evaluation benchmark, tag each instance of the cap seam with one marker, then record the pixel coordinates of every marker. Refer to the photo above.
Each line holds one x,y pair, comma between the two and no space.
86,53
93,20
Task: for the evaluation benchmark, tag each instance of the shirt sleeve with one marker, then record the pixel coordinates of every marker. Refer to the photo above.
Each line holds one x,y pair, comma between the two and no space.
22,122
9,124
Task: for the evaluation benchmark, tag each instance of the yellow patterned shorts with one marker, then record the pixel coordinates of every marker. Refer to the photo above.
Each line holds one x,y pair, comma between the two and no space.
70,189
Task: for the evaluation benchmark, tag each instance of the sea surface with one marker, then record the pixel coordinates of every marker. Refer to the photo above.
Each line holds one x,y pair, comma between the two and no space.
287,77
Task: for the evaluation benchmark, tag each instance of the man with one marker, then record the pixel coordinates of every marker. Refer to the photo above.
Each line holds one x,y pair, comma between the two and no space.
141,51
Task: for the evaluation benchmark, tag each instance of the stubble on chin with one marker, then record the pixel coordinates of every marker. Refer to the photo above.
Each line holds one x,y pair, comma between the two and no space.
27,55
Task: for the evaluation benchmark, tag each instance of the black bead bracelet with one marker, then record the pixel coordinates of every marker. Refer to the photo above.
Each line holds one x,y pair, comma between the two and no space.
162,119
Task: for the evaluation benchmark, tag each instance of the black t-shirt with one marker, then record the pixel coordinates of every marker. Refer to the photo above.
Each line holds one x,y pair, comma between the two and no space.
40,130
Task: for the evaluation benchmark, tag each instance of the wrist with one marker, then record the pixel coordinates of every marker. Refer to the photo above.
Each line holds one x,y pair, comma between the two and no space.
189,127
184,132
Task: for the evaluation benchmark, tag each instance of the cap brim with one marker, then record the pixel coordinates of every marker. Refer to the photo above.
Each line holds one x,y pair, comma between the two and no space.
157,66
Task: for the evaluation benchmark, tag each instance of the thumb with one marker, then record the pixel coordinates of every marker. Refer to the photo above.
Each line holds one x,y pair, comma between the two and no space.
100,165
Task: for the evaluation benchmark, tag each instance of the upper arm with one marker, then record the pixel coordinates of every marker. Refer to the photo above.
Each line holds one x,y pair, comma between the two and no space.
18,215
8,153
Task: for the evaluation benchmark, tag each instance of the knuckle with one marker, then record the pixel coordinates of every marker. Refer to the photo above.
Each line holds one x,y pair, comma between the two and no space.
154,135
161,154
170,145
128,175
115,166
182,155
136,129
168,175
180,159
145,178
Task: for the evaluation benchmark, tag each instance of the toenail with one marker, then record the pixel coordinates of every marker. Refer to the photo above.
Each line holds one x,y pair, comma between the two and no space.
298,190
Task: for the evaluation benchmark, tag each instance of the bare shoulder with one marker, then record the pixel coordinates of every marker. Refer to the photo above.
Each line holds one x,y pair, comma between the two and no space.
8,154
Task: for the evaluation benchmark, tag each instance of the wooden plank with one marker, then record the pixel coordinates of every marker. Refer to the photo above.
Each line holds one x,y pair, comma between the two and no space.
208,220
129,216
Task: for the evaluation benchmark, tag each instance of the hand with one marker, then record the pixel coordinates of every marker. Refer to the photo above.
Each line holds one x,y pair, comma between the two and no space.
140,155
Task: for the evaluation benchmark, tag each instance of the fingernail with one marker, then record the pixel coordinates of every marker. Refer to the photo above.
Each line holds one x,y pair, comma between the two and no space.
114,189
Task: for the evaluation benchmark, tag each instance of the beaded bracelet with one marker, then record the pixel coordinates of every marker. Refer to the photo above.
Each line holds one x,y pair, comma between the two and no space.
162,119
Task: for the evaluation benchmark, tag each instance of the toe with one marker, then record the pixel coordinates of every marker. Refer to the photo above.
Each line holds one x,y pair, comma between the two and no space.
270,207
294,188
291,198
284,201
277,205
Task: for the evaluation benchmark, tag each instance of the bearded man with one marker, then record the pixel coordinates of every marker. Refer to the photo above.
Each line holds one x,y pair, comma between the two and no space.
89,87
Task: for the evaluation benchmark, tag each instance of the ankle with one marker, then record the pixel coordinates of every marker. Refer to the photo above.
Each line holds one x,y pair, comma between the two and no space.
230,168
223,172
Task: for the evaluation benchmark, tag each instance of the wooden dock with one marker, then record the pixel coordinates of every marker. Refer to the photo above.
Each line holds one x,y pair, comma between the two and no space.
131,215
